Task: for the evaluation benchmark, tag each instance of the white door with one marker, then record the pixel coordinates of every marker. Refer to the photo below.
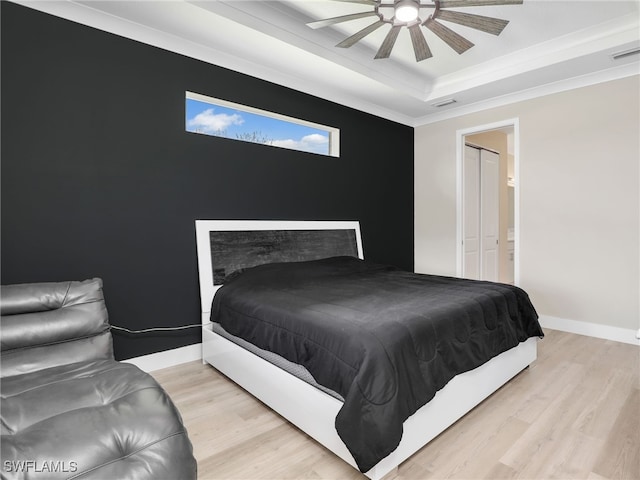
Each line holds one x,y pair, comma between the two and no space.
471,219
489,220
480,220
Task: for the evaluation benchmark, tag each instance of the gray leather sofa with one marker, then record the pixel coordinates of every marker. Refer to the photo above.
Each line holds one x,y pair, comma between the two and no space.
68,409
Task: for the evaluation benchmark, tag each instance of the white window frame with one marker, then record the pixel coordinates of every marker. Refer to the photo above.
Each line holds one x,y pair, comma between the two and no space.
334,133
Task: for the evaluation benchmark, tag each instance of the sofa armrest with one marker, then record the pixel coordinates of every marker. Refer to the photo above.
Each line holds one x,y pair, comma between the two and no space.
51,324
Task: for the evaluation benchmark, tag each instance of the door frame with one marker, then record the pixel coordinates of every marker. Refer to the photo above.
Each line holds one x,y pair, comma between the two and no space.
460,143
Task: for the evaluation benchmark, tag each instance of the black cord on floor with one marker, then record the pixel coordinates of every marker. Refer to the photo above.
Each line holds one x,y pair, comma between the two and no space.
157,329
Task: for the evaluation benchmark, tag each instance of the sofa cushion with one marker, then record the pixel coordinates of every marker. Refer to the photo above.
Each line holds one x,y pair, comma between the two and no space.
50,324
101,419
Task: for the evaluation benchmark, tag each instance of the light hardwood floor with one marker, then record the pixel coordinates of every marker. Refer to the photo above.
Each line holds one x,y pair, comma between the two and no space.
574,414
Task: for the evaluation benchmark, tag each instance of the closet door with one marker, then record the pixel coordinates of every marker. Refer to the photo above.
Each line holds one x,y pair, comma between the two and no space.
489,220
471,206
481,210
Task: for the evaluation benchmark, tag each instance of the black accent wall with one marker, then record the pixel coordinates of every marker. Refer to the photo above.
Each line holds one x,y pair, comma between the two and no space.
100,179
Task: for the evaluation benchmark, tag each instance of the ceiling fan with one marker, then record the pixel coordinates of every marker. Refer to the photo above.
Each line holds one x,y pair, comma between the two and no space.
407,13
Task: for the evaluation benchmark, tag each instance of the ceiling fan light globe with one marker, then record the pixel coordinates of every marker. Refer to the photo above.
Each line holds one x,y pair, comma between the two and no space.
406,10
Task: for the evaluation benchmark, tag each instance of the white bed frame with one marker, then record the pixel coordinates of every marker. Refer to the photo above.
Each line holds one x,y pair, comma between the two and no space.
314,411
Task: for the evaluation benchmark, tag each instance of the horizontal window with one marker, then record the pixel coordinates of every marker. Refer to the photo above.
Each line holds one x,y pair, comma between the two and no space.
220,118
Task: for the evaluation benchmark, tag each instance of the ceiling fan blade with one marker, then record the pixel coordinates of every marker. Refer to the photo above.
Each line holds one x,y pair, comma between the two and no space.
350,41
490,25
389,41
364,2
451,38
343,18
477,3
420,47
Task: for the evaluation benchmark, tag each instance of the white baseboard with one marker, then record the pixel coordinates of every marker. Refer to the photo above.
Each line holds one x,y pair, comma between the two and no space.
168,358
617,334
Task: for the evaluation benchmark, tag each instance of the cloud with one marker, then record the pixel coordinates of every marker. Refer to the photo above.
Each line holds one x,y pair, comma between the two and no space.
209,122
315,139
314,143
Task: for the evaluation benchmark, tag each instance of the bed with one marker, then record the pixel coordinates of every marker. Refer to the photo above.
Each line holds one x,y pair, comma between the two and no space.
281,257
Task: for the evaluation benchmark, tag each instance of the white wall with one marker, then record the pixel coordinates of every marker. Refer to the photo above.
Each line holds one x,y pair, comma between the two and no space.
579,201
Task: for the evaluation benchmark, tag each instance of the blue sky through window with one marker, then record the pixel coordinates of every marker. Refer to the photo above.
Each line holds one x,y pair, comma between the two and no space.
218,120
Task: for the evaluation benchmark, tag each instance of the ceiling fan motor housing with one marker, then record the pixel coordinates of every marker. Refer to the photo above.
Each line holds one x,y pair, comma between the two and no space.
406,10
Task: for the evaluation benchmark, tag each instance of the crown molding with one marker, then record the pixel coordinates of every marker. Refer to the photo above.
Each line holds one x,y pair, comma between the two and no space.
594,40
602,76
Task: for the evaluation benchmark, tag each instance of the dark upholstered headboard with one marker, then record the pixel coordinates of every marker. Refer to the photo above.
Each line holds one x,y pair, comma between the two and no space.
234,250
225,246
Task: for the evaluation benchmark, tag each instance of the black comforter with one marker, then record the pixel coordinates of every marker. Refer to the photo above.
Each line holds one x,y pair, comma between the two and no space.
385,339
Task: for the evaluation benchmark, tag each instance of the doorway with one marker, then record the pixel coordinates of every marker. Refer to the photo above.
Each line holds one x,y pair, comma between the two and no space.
487,160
